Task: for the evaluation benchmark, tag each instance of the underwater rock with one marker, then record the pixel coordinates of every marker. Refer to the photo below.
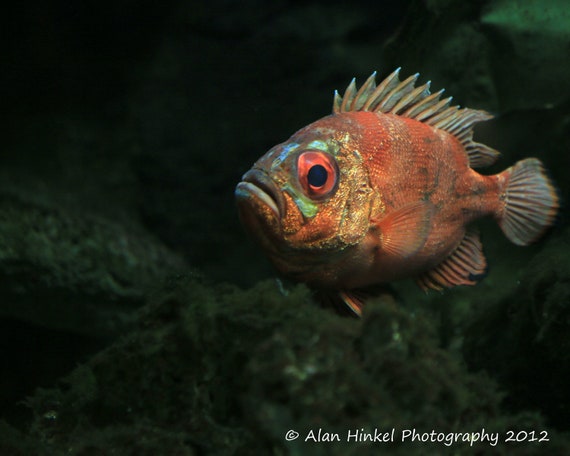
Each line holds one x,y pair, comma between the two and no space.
527,40
499,55
70,271
522,341
447,47
216,370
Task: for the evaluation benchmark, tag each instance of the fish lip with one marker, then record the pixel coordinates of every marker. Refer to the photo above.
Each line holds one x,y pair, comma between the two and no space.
260,184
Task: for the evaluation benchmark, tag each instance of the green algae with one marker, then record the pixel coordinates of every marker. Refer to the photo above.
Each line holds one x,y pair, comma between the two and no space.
88,273
217,370
528,39
498,55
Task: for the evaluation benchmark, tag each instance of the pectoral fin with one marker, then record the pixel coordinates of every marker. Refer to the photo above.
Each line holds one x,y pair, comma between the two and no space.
404,231
356,299
353,300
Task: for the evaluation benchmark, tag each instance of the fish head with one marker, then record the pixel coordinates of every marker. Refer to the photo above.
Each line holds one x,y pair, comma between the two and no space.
307,199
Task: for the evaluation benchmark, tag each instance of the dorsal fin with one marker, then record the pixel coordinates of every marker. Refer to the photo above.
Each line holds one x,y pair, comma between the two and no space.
402,98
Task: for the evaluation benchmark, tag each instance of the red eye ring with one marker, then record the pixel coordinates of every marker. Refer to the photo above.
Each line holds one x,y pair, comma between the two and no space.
317,172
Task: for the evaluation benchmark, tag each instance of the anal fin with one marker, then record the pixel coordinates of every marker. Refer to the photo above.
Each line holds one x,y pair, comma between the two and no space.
465,266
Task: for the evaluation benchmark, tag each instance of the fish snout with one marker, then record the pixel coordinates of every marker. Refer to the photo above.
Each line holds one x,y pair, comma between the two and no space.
259,185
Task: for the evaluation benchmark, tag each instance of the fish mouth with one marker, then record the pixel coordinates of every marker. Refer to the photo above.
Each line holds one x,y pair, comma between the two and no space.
257,183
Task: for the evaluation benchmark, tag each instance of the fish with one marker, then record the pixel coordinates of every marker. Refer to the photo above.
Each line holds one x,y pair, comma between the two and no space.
385,188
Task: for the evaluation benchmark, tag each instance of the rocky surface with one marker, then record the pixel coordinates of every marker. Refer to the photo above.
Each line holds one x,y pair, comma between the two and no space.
529,328
74,272
221,371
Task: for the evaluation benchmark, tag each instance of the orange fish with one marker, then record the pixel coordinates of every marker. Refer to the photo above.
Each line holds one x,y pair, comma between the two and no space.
384,189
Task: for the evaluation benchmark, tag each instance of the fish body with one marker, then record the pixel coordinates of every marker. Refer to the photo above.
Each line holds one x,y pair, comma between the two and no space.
385,188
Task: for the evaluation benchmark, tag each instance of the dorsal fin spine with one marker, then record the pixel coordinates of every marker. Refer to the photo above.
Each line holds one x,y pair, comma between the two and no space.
444,118
432,110
337,102
364,92
392,97
428,101
348,95
409,99
387,84
402,98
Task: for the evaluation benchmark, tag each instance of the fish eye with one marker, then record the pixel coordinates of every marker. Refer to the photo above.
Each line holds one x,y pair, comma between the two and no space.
317,172
317,176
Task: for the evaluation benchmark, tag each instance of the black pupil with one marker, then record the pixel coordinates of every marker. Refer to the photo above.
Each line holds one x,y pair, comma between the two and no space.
317,176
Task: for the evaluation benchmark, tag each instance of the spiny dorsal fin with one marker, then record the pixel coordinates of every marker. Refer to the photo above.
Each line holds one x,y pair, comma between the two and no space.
402,98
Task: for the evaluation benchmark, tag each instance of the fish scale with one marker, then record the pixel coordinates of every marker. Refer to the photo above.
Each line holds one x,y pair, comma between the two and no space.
394,194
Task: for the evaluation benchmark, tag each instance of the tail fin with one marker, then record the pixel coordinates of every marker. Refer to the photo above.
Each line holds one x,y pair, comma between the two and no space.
531,202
